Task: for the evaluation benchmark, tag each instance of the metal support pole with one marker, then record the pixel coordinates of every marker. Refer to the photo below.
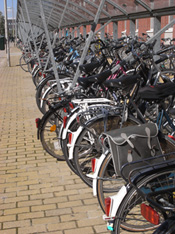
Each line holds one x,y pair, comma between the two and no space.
115,30
158,34
50,47
132,27
55,36
102,35
78,32
72,33
7,34
91,34
27,37
32,34
157,27
103,26
84,31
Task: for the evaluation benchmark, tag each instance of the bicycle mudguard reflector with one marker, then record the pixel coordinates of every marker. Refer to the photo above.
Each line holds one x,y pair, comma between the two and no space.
133,143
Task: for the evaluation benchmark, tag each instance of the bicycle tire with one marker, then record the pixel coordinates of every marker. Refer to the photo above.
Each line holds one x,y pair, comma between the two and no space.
125,220
103,189
51,95
44,85
50,139
23,64
83,164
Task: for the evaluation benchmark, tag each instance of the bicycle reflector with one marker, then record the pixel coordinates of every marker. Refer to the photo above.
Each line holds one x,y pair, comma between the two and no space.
64,121
71,105
107,205
53,128
78,119
170,136
93,162
37,122
65,110
150,214
70,137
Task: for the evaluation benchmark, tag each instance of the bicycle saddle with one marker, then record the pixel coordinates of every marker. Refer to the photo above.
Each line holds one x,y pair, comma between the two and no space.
99,78
123,81
157,92
87,68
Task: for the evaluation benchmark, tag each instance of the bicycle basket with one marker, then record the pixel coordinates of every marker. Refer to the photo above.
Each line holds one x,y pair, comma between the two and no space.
133,143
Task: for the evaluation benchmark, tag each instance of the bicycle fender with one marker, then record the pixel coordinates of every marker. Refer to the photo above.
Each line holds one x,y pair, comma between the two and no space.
116,200
75,136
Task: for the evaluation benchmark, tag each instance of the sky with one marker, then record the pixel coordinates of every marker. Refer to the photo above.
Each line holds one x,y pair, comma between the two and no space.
9,7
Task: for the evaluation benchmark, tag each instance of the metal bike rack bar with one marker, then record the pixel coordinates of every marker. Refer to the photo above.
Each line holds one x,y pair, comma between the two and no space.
62,17
89,39
50,46
32,34
102,27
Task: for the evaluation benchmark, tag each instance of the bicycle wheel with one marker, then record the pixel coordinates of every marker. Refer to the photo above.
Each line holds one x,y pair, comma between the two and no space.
106,188
23,63
129,217
51,94
88,146
50,132
167,75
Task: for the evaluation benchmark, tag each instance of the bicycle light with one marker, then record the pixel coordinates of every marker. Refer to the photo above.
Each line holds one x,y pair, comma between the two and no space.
150,214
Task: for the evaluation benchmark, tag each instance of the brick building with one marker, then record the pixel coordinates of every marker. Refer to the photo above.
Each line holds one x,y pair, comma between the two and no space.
144,25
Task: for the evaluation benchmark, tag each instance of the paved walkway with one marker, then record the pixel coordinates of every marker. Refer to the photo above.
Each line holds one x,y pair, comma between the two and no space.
37,193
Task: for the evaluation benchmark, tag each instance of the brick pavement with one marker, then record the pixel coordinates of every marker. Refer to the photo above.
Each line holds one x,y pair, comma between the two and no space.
37,193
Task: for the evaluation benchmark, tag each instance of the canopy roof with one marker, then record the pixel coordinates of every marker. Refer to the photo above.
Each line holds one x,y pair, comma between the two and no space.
83,11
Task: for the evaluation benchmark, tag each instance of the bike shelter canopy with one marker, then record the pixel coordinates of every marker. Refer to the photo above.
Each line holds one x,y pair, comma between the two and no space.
83,11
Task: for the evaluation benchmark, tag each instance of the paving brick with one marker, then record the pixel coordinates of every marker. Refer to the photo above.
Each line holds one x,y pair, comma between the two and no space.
9,231
7,218
56,212
23,223
35,189
89,222
55,200
29,203
71,217
43,207
61,226
33,229
87,230
45,220
31,215
16,210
